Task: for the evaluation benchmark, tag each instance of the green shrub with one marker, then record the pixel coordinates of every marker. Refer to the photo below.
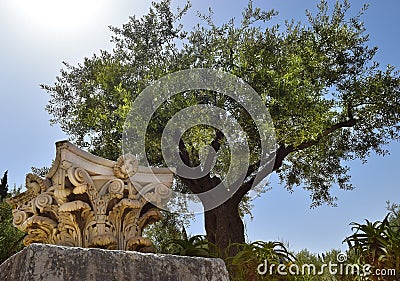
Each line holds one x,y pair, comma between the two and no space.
377,243
10,237
193,246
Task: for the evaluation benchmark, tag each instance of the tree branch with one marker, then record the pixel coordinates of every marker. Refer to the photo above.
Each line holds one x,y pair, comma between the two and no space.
345,124
281,153
195,185
184,154
212,155
216,143
256,178
192,184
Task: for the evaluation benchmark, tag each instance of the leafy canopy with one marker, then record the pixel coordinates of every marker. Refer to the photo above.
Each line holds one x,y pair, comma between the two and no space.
329,100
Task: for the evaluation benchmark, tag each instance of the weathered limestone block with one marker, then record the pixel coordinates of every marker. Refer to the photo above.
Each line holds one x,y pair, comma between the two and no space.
40,262
88,201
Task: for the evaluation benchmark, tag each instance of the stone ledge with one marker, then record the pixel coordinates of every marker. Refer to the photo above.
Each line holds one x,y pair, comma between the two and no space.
41,262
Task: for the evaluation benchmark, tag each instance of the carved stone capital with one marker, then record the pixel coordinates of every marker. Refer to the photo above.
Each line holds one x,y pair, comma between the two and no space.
88,201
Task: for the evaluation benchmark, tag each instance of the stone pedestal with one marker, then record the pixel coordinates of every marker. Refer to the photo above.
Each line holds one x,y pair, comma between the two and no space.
41,262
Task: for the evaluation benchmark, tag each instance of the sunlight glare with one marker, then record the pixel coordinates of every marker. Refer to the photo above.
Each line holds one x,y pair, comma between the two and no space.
58,14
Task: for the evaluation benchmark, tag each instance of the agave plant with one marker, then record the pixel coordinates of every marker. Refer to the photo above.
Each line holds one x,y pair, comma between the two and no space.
377,243
391,253
243,266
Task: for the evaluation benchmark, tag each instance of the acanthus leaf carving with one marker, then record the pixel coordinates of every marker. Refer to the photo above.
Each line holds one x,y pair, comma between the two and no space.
87,201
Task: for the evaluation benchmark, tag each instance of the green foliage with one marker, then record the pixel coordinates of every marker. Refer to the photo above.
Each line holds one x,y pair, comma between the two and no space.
394,210
41,172
3,186
243,265
194,246
165,230
373,243
377,243
10,237
330,101
327,97
90,101
321,262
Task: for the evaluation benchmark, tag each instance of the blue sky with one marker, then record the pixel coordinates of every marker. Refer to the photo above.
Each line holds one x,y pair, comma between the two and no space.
36,36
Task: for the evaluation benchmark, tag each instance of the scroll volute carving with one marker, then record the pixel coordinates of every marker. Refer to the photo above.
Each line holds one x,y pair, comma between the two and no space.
87,201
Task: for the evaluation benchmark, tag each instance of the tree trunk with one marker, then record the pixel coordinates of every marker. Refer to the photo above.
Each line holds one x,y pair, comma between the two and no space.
224,226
